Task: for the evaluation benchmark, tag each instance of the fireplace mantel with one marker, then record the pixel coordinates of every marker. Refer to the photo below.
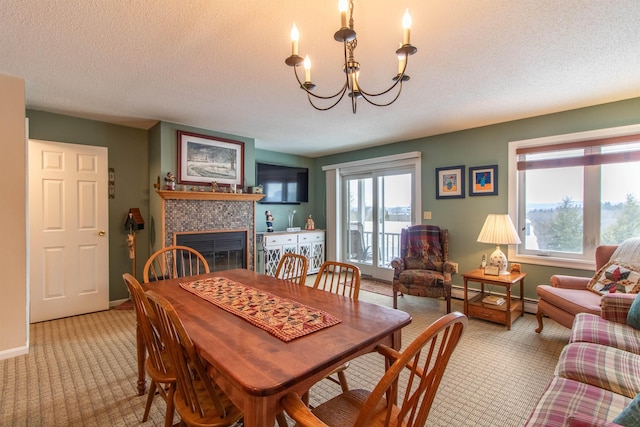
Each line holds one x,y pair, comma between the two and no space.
208,195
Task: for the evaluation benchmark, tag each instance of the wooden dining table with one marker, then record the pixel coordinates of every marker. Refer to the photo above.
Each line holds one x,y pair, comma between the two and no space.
255,368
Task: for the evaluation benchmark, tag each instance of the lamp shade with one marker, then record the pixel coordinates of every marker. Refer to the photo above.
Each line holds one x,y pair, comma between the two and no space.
499,230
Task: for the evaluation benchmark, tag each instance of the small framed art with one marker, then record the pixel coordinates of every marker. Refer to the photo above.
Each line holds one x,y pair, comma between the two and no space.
204,159
483,181
450,182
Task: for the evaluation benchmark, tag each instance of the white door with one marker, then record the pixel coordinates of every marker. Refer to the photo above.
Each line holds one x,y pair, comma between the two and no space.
378,205
68,224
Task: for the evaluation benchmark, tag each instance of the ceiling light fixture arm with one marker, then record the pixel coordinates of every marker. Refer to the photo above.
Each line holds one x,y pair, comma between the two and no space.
398,79
309,86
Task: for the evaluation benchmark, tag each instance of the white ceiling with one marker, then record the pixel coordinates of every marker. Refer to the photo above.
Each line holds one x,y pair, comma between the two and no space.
219,65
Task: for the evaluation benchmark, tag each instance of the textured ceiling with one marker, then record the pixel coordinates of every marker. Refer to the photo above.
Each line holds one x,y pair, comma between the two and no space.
219,65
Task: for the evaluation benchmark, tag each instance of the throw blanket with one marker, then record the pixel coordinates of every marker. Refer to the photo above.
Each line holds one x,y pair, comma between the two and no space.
628,252
281,317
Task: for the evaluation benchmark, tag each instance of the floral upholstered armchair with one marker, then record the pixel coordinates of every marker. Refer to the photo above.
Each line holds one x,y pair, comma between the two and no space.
423,268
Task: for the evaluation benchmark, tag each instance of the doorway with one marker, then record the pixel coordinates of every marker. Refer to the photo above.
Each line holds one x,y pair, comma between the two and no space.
379,204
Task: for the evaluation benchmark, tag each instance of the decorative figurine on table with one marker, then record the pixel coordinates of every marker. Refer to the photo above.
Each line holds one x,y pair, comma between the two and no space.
170,181
214,186
270,219
309,225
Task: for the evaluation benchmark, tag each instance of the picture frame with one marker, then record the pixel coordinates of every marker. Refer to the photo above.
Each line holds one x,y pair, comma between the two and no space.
491,270
483,180
450,182
204,159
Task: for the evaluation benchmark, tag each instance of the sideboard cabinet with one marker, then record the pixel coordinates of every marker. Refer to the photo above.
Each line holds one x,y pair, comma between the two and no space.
309,243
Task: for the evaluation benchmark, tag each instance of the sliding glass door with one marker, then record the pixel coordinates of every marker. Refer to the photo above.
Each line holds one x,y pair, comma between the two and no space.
376,206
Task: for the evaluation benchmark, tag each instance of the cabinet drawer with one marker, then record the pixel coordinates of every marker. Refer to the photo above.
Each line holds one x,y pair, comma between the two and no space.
278,239
310,237
493,315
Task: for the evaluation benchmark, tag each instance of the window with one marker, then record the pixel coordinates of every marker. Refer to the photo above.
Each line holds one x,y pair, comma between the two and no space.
573,193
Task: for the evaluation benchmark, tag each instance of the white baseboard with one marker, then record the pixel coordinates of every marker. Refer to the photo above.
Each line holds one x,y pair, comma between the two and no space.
530,305
14,352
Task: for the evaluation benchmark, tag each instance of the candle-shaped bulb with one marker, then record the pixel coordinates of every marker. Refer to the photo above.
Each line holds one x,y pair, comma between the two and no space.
307,69
406,24
294,39
342,6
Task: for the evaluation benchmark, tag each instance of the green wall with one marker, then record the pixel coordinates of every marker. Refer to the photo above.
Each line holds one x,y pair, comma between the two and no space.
281,212
128,156
480,147
163,157
140,156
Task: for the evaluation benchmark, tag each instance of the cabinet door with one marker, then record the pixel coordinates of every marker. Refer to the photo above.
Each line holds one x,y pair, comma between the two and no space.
317,257
290,249
272,257
306,249
274,246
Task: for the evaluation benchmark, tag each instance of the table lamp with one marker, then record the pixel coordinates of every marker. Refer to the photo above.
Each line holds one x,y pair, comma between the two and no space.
499,230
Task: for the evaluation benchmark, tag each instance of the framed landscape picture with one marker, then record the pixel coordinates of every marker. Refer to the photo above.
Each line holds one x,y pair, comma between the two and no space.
450,182
204,159
483,181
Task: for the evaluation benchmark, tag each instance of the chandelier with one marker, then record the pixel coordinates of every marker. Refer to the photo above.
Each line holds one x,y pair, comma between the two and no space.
351,67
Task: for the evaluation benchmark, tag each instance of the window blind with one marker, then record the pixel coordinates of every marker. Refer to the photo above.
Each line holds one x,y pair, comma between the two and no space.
620,149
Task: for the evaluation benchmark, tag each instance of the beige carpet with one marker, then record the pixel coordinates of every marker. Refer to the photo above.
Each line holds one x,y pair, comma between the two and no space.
81,371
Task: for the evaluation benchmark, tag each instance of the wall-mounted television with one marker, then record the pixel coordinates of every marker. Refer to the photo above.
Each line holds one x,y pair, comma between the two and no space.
283,184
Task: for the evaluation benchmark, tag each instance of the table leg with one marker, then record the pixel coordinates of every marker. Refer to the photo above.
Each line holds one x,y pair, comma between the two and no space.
396,340
466,298
522,296
141,349
508,306
259,413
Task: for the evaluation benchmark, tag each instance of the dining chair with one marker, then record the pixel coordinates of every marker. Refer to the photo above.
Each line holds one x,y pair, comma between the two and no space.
172,262
358,249
339,278
379,407
293,267
343,279
198,399
158,362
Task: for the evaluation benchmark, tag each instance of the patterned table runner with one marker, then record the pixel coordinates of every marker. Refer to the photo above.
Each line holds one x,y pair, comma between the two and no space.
282,317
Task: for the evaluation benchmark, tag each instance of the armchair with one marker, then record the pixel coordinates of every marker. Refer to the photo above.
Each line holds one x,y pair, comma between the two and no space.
567,296
423,268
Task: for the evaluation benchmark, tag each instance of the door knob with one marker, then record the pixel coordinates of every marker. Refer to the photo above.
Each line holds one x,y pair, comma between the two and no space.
101,233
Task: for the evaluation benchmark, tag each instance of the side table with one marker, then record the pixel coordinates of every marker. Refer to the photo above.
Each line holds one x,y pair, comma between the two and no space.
505,313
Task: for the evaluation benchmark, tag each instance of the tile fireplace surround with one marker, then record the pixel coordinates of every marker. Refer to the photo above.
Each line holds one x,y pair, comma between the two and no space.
190,211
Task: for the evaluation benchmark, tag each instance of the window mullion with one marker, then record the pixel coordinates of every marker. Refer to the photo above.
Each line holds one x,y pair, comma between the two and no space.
592,209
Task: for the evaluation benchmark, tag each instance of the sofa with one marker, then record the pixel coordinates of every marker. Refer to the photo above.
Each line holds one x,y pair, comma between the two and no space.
597,377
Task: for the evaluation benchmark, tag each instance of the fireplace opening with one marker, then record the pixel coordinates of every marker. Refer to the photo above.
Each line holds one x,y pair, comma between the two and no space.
224,250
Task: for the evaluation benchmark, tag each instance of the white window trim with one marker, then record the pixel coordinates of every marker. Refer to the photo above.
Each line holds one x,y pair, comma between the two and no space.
513,188
334,190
